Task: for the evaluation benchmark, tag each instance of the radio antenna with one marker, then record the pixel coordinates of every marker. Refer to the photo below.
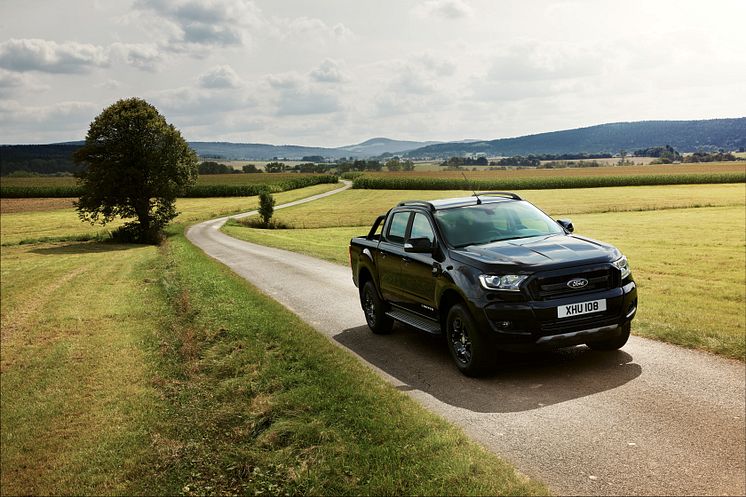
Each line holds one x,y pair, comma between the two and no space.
479,201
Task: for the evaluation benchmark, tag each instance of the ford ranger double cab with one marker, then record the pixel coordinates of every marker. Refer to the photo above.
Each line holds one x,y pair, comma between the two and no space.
492,273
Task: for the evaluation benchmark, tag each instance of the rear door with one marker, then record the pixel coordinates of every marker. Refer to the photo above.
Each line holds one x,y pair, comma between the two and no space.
389,256
418,280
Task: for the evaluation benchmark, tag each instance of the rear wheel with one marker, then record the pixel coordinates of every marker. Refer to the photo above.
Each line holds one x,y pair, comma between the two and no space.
613,343
468,347
373,307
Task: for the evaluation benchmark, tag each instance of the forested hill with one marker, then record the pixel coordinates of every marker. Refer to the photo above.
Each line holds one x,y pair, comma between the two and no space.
684,136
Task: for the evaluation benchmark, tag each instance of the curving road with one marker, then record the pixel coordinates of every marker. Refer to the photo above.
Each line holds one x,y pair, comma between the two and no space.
651,419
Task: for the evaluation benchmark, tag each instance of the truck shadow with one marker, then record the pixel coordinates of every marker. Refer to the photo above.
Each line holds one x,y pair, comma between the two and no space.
520,382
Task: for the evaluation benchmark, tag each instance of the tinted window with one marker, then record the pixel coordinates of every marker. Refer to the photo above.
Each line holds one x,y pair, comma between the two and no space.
398,227
421,228
493,222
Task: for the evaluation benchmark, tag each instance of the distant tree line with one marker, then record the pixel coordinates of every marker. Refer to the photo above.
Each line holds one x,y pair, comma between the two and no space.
38,159
666,154
710,157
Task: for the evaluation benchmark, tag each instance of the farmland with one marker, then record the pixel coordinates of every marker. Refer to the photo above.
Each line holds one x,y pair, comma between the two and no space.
676,238
34,220
210,185
142,370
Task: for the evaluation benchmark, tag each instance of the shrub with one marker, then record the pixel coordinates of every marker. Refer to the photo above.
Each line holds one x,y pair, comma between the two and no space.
266,207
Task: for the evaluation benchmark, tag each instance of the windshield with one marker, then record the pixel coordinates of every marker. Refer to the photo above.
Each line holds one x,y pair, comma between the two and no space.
479,224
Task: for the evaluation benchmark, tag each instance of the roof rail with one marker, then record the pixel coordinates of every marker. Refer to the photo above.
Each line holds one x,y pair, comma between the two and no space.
504,194
420,203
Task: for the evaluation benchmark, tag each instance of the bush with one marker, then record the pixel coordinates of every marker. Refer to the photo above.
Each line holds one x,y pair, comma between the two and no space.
266,207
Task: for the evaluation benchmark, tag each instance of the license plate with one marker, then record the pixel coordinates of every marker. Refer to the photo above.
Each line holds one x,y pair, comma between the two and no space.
570,310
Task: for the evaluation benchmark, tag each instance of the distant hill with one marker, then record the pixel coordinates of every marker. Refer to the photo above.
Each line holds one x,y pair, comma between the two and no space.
684,136
380,146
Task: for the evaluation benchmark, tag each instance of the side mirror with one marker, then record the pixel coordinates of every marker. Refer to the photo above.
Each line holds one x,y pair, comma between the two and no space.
418,246
567,224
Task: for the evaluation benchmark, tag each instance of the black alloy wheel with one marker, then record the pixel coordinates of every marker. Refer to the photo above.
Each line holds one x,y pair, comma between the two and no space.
373,308
468,346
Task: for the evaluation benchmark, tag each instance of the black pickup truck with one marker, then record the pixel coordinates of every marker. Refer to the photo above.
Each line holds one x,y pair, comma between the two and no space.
492,272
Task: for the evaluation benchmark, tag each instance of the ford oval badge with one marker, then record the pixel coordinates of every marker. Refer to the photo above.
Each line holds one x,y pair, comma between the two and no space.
577,283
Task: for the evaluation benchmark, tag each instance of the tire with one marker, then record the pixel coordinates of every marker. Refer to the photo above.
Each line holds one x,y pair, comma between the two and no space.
374,310
613,343
468,347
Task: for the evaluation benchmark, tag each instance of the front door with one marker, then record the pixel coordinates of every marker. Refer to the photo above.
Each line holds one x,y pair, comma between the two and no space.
417,271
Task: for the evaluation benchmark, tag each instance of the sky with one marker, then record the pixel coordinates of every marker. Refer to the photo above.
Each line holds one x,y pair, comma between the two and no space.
337,72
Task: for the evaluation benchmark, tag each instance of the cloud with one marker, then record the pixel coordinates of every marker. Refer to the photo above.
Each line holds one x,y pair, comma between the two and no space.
24,123
204,23
299,95
33,54
201,104
444,9
310,26
12,83
220,77
328,72
144,56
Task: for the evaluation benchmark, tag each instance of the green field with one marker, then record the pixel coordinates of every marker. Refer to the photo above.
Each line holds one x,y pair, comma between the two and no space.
676,238
141,370
208,185
61,222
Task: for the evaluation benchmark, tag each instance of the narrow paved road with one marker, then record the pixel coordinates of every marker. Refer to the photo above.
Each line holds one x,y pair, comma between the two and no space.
650,419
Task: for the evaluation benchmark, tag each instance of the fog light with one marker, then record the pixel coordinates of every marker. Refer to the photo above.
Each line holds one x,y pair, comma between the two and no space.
504,325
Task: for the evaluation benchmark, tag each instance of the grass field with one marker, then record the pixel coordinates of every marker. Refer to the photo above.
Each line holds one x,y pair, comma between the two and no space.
33,220
686,246
361,207
208,185
138,370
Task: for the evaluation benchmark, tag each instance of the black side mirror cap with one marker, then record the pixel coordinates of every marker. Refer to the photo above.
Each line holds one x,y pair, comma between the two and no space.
567,224
418,246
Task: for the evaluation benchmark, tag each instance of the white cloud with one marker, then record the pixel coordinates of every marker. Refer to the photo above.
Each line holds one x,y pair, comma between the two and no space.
200,103
220,77
328,72
27,124
145,56
444,9
34,54
204,23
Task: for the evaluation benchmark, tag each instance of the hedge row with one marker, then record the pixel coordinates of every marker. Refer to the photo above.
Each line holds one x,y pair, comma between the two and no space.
196,191
555,182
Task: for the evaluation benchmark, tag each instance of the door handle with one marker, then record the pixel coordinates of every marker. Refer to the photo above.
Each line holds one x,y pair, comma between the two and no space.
406,260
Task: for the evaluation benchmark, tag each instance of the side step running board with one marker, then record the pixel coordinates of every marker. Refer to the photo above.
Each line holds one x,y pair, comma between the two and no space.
415,321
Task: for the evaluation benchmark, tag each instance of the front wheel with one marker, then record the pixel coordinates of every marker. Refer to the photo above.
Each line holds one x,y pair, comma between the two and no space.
613,343
373,307
465,342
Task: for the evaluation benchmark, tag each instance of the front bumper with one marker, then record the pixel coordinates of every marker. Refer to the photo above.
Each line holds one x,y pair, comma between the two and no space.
532,325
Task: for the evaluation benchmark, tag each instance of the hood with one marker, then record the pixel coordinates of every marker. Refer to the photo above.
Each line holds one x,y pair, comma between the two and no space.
541,251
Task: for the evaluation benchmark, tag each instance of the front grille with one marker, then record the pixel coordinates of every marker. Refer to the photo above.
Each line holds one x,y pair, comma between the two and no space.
552,286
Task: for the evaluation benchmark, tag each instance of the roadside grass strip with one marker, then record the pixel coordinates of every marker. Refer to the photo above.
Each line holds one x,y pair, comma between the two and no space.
134,370
269,406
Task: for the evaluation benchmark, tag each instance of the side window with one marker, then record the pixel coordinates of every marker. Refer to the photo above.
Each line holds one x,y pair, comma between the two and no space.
421,228
398,227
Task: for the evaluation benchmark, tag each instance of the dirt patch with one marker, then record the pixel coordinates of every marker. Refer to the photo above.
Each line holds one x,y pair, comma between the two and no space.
14,205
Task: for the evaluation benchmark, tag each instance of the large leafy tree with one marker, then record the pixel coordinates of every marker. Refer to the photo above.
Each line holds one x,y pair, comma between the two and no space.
135,165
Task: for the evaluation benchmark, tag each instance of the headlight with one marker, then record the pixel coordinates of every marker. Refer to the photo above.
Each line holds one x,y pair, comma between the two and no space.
623,266
509,282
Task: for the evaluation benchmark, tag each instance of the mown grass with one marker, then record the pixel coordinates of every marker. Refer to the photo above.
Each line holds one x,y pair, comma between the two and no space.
551,182
689,263
62,224
211,185
137,370
361,207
